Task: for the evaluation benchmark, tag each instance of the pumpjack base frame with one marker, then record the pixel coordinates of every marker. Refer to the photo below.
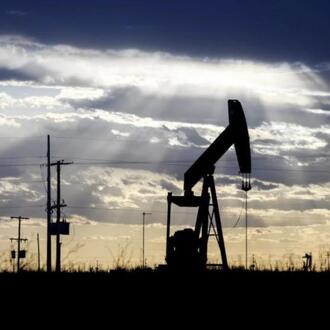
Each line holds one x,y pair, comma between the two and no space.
197,257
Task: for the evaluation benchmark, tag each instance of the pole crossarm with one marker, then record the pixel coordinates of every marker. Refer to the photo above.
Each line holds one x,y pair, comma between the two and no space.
61,162
58,205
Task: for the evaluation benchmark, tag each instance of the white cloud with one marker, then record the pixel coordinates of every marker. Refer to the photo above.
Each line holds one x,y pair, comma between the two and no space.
64,79
78,93
9,122
282,136
119,133
29,103
80,220
318,111
160,72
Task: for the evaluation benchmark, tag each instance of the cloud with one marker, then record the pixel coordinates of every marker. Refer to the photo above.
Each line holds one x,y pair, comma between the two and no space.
81,220
18,13
9,122
273,137
260,185
13,75
161,72
134,121
318,111
283,37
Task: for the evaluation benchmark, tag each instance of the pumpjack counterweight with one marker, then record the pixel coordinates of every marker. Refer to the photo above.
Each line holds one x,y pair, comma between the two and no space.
187,248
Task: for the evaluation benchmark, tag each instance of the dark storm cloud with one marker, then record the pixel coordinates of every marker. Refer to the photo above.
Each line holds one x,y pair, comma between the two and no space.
273,30
259,185
169,186
7,74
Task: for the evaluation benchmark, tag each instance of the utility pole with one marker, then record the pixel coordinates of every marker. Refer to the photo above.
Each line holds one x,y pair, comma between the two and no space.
58,207
19,239
49,210
143,225
58,218
38,246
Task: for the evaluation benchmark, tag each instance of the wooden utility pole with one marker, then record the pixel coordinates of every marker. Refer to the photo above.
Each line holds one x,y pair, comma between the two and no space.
168,226
19,239
49,210
58,217
58,207
38,246
143,225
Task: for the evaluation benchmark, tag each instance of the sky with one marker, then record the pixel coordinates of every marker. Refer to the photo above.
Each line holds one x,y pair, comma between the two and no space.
133,91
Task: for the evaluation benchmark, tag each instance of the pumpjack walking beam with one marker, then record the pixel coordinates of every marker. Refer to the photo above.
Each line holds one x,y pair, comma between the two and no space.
235,134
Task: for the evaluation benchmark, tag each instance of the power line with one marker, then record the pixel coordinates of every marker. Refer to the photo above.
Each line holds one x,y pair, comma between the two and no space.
288,170
21,206
23,157
20,165
171,163
93,139
106,208
43,179
21,181
22,137
183,164
164,162
186,161
138,210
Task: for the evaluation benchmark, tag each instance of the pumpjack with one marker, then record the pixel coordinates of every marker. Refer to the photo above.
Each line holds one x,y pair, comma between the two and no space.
187,248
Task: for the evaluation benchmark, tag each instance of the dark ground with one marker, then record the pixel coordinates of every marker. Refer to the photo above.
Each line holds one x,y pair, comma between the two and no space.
140,295
148,280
